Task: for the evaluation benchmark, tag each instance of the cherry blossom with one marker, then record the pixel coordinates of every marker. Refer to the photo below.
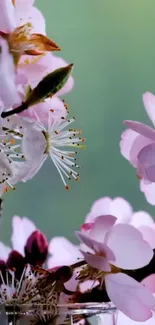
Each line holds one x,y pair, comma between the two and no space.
40,141
110,250
138,146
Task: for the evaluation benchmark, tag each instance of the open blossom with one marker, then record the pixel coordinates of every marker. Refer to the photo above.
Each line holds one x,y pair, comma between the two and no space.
22,27
138,146
110,251
124,213
40,141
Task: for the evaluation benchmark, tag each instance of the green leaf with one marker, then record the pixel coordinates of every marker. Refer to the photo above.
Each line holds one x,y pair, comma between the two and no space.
49,85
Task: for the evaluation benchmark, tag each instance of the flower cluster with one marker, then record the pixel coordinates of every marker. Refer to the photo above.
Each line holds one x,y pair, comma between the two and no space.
114,262
34,121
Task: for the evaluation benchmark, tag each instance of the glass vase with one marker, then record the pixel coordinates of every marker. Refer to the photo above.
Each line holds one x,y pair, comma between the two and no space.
68,314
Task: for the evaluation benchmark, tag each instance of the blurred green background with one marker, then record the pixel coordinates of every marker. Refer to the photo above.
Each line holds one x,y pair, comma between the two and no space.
112,44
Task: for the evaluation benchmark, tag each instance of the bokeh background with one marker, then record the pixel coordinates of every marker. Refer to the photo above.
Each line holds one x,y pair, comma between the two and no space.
112,44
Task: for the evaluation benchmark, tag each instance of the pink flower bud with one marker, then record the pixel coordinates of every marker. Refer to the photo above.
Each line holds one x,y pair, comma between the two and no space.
36,248
16,261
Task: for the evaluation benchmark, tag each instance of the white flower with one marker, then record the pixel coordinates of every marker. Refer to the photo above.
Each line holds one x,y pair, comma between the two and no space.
40,141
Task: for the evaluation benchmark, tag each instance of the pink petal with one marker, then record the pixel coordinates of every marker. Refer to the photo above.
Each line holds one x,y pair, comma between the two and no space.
22,229
146,162
33,70
124,320
121,209
117,207
24,5
101,226
33,16
131,144
99,208
63,252
7,16
4,252
148,235
98,262
33,145
149,282
149,103
142,129
52,63
53,106
141,218
8,88
128,246
129,296
128,138
138,145
99,248
149,190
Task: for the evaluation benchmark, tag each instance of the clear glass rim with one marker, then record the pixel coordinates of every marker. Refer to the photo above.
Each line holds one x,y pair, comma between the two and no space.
63,309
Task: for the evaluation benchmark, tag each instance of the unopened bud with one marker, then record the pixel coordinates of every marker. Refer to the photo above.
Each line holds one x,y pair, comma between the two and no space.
17,262
49,85
36,248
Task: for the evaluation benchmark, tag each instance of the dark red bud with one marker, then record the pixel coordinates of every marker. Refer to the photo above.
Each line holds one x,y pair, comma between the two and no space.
16,261
36,249
62,273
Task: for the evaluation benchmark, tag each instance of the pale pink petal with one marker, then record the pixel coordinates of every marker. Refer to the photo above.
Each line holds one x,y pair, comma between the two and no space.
142,129
121,209
98,262
101,226
141,218
149,190
149,103
149,282
148,235
63,252
131,143
117,207
128,246
7,18
146,162
99,248
4,252
33,144
31,69
128,138
8,89
124,320
22,228
129,296
99,208
52,63
33,16
24,5
53,106
138,145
